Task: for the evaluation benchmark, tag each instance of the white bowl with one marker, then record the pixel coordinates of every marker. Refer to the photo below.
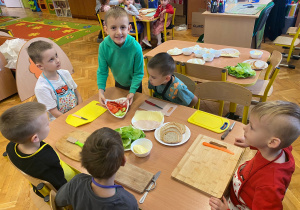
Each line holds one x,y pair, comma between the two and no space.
120,100
217,53
208,57
187,51
199,53
255,54
144,12
145,143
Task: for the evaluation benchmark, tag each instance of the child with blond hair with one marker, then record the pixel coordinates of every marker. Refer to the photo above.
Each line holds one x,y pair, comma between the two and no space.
261,183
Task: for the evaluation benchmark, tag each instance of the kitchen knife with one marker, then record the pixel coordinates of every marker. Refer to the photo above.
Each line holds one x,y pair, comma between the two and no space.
150,187
152,104
226,132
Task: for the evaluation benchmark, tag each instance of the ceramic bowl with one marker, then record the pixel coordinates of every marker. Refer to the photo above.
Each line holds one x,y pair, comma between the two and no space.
144,12
120,100
143,142
199,53
256,54
208,57
187,51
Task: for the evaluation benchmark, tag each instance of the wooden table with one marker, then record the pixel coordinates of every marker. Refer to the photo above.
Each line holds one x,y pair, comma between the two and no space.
230,29
169,193
144,18
220,62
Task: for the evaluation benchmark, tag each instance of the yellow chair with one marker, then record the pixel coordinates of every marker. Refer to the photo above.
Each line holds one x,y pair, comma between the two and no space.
225,91
289,43
131,18
171,26
7,31
292,30
263,88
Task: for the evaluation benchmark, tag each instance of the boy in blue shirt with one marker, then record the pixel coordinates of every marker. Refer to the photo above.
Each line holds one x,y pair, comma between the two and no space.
165,85
122,54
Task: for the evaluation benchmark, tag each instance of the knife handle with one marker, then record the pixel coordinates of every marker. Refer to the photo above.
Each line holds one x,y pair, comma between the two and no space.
79,144
148,102
144,197
225,134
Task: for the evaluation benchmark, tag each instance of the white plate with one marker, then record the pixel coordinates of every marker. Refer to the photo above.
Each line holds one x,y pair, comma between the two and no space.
251,61
174,51
118,100
230,52
185,137
133,121
196,61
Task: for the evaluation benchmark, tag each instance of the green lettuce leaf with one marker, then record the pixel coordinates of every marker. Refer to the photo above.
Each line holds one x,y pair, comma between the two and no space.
241,70
129,134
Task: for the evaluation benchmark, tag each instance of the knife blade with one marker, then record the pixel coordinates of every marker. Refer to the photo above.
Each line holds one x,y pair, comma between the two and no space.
226,132
152,104
150,187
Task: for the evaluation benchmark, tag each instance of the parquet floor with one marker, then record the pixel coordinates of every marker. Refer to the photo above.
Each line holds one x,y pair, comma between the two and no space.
83,54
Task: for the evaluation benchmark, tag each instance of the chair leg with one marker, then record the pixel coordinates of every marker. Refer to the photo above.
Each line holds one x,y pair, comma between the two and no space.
172,33
165,34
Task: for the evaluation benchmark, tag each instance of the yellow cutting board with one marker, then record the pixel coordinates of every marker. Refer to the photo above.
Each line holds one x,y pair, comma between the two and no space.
207,169
129,175
209,121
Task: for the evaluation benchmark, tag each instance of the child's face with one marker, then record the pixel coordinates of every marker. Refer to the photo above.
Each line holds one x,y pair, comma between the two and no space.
44,126
128,2
257,132
164,2
156,78
118,29
50,61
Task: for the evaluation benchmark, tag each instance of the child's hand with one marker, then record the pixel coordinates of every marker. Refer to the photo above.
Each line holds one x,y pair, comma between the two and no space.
217,204
130,98
102,99
164,11
240,141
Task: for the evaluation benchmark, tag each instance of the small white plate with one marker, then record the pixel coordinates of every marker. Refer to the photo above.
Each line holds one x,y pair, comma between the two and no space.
185,137
251,61
133,121
230,52
174,51
119,100
196,61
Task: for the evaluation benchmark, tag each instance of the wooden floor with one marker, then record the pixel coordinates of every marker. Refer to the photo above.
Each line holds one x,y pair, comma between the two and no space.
83,54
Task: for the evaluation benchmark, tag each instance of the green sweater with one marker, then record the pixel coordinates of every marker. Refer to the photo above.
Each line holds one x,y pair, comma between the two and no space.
126,63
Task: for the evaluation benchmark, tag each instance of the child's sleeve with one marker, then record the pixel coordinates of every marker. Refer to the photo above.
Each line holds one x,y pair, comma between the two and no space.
185,95
267,197
43,96
138,71
157,12
169,9
133,10
63,196
102,72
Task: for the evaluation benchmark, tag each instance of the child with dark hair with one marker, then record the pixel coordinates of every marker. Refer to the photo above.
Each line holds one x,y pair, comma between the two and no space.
165,85
102,155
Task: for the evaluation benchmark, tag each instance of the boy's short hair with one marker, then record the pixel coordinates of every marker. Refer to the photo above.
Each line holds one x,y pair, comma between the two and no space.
103,2
18,123
36,49
115,12
162,62
102,153
287,129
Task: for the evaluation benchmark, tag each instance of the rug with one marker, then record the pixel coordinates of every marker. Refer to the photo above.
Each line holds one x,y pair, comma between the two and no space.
60,32
7,18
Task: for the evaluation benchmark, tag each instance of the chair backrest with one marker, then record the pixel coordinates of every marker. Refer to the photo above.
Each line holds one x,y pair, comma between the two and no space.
27,73
187,81
204,72
101,17
173,17
225,91
274,62
132,19
52,200
262,19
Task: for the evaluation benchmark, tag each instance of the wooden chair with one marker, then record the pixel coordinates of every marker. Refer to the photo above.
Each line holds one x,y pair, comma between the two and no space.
171,26
52,203
288,43
263,88
27,73
131,18
191,85
225,91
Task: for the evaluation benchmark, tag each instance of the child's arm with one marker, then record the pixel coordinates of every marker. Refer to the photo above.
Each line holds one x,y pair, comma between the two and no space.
132,10
240,141
79,98
194,101
55,112
217,204
169,9
157,12
63,196
102,74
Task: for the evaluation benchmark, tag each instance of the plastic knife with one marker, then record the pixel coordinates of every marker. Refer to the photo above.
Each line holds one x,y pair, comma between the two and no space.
226,132
150,187
152,104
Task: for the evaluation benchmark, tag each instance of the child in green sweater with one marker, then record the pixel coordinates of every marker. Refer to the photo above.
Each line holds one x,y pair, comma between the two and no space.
122,54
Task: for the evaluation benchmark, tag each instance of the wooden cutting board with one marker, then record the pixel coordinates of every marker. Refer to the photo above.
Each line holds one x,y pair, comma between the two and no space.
207,169
129,175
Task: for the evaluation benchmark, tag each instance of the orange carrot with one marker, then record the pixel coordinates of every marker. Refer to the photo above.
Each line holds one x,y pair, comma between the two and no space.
216,147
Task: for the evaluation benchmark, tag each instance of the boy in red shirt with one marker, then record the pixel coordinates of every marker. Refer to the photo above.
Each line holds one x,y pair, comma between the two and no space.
261,183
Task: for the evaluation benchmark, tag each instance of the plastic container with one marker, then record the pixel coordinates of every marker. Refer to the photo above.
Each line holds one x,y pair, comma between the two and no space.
143,142
208,57
256,54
